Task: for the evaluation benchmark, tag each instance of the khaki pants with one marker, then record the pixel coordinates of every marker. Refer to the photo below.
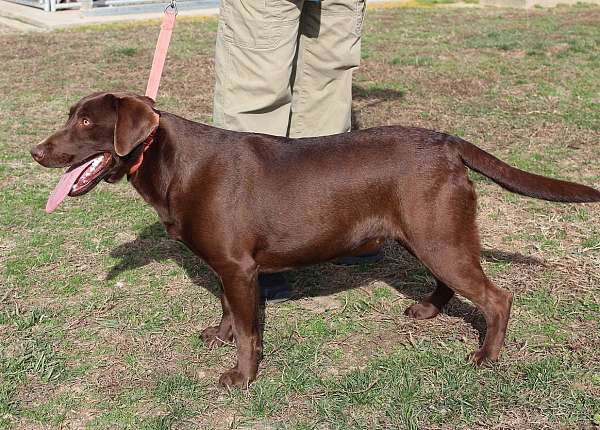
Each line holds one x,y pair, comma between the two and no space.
284,67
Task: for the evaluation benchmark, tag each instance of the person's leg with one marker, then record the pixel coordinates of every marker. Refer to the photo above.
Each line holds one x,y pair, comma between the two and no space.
254,60
255,49
328,52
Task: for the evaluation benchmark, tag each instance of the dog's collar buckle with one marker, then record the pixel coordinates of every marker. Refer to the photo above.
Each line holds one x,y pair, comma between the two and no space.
134,168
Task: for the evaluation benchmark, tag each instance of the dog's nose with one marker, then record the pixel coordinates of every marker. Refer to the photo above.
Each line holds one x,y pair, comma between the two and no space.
38,153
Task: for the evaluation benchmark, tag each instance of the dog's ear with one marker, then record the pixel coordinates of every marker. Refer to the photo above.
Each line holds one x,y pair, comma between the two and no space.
136,119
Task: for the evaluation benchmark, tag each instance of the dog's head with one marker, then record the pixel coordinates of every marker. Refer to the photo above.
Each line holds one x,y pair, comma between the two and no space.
100,139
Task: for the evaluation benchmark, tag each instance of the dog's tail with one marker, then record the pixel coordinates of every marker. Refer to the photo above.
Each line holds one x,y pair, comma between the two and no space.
521,182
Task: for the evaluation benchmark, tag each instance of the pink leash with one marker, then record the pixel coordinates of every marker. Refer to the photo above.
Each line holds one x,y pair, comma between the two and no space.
158,63
160,53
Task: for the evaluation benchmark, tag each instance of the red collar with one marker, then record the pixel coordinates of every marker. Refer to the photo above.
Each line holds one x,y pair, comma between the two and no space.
147,144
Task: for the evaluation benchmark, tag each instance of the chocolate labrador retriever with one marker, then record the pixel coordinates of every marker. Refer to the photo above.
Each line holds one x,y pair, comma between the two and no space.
248,203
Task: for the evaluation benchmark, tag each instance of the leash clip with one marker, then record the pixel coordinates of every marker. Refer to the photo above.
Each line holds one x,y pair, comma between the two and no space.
173,6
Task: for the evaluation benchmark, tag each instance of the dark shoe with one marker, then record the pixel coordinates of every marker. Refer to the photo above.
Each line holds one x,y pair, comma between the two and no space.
274,288
371,257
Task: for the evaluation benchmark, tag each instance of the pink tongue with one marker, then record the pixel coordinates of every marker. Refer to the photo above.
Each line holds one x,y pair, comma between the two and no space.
64,186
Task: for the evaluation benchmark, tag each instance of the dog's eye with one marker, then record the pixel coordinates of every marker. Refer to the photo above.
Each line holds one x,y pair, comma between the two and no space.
85,122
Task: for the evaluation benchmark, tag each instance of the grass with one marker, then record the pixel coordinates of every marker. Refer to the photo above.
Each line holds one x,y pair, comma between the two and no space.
100,312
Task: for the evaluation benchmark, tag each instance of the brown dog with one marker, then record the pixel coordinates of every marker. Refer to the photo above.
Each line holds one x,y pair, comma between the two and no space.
249,202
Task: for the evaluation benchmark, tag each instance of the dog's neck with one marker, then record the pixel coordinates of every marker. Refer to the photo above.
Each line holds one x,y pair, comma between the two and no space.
152,177
140,158
169,149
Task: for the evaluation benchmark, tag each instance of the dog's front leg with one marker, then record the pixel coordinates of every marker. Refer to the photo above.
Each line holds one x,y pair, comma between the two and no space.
240,291
223,333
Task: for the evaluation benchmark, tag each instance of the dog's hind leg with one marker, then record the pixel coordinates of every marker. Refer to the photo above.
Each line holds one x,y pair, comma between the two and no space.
431,305
463,274
446,241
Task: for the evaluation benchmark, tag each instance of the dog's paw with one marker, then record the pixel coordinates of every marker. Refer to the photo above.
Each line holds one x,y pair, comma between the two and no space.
212,338
234,379
422,311
481,357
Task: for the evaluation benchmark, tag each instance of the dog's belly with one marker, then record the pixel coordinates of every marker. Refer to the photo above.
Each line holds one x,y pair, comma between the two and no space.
278,253
271,261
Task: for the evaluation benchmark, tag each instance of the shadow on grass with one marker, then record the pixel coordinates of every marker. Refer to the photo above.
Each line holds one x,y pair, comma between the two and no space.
380,93
371,96
153,244
398,268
